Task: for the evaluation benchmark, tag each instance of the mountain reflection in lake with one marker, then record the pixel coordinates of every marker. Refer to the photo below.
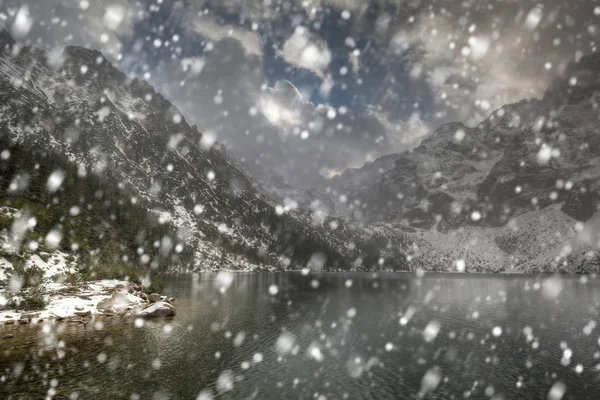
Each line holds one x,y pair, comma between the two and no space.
325,336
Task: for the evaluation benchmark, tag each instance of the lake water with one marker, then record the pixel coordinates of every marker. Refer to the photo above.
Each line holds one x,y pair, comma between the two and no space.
327,336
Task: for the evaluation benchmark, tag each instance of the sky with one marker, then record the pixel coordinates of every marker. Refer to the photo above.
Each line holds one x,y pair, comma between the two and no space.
303,89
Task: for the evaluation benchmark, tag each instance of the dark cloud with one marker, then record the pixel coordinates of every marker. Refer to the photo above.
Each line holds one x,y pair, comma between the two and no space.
310,87
54,24
275,127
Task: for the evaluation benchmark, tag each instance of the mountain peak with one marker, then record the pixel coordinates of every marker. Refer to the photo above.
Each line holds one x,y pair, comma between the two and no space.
579,81
6,40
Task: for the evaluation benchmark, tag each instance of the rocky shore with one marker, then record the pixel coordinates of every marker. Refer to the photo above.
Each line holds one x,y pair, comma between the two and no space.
80,304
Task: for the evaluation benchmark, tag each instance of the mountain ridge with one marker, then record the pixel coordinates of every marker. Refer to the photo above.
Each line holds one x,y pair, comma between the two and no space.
458,187
85,108
534,159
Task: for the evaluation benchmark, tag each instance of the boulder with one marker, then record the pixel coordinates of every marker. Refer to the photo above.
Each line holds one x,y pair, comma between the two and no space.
581,202
30,315
84,313
107,303
154,297
160,309
117,301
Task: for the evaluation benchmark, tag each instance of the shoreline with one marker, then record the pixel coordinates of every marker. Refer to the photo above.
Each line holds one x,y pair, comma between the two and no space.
122,298
109,297
466,274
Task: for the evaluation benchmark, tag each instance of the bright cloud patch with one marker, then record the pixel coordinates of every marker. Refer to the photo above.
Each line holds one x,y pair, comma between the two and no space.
306,50
208,28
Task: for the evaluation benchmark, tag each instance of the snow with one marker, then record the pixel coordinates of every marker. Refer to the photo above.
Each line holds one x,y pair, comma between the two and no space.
481,244
126,104
4,265
23,23
57,264
68,305
49,92
527,243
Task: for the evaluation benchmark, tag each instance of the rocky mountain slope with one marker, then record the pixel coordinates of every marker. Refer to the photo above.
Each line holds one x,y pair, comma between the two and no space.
352,181
279,193
518,192
124,133
58,221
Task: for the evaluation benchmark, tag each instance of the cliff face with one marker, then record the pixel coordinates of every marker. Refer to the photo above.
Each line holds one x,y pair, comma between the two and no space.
517,192
535,160
523,157
80,106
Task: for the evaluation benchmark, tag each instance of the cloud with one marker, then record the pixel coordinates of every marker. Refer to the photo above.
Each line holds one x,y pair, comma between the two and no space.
276,128
341,137
355,61
479,60
414,59
207,27
53,24
401,135
282,105
472,70
306,50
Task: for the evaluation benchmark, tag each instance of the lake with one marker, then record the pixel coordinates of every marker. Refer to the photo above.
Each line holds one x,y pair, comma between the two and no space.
326,336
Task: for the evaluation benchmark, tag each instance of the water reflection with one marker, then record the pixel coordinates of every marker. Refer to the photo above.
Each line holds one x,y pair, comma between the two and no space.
327,336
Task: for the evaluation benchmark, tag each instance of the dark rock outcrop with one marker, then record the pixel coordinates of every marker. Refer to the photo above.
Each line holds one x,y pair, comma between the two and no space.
582,202
154,297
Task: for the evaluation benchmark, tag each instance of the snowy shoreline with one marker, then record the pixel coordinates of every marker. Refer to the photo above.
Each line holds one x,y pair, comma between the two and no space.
105,298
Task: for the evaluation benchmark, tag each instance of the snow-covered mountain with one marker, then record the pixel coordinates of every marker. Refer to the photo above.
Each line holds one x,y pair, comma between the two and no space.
77,104
518,192
513,193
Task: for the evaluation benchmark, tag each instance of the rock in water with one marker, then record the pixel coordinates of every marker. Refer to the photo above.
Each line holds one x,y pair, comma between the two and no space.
160,309
29,316
154,297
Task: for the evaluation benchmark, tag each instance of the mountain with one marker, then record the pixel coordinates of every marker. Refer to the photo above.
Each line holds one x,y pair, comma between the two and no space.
518,192
354,180
60,222
279,193
80,107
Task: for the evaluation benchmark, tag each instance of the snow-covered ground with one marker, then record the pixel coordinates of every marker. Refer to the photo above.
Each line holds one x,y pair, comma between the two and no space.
56,264
535,241
61,304
105,297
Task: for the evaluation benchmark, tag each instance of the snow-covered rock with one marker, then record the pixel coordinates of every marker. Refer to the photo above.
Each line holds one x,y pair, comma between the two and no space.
160,309
105,297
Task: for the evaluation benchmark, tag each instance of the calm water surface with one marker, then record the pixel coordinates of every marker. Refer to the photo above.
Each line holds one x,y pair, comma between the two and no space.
327,336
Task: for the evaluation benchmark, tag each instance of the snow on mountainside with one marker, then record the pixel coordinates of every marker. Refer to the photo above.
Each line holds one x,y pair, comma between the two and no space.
507,194
353,180
80,106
